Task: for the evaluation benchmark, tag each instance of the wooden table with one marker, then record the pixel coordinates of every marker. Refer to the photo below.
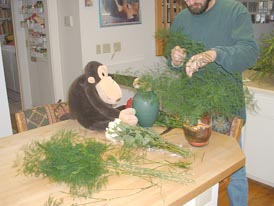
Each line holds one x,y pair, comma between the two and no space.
218,159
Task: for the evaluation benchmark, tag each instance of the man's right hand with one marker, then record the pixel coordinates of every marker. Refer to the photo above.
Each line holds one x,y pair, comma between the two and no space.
178,56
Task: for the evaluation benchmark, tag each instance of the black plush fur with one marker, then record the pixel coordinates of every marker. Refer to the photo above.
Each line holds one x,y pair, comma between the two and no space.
85,104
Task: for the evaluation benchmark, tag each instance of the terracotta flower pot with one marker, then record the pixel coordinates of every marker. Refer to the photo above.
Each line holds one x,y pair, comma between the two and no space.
199,134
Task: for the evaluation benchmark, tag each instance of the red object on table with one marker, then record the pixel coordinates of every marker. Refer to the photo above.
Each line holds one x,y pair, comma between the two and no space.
129,103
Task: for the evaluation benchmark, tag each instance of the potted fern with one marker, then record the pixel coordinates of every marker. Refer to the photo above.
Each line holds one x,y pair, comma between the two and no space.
186,101
262,73
265,63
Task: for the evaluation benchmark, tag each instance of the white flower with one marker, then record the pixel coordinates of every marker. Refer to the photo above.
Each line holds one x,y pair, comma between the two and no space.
136,83
111,125
111,130
119,129
117,121
110,136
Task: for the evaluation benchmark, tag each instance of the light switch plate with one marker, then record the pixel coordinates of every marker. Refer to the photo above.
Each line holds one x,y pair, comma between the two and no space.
98,49
68,21
106,48
117,46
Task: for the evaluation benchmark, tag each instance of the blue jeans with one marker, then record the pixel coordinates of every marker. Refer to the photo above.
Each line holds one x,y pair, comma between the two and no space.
238,187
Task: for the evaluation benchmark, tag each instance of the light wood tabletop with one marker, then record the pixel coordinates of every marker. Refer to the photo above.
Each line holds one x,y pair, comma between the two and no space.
221,157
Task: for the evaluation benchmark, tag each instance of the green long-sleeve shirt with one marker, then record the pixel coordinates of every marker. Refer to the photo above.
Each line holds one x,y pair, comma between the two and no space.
227,28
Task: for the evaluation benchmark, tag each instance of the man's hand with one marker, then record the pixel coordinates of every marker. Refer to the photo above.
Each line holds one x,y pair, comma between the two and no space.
178,56
200,60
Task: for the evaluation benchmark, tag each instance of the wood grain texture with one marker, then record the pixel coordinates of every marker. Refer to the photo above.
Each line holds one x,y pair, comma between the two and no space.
212,163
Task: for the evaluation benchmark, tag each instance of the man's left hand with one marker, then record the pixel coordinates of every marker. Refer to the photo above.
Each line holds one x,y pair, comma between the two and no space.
200,60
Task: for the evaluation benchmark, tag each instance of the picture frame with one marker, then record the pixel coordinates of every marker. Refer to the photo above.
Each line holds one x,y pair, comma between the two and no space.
88,3
119,12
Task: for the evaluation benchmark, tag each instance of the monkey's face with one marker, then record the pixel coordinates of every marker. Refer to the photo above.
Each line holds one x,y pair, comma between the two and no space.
108,90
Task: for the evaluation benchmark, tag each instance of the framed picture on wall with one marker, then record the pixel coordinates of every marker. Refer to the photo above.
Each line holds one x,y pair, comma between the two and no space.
119,12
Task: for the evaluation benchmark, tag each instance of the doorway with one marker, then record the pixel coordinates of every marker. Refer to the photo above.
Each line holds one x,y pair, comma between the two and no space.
11,77
9,57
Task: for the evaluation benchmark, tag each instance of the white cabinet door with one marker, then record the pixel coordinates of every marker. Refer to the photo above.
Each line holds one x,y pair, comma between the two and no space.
207,198
259,138
5,126
10,67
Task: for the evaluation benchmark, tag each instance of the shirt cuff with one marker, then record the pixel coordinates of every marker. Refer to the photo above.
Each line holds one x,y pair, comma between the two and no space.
180,65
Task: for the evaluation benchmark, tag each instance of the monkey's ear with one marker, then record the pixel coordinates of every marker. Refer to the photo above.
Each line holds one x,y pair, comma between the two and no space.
91,80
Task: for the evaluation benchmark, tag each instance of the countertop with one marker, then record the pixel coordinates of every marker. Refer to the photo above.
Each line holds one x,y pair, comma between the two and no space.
212,163
266,83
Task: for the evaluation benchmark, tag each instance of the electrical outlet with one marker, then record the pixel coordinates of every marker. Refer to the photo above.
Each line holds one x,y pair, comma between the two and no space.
98,49
106,48
117,46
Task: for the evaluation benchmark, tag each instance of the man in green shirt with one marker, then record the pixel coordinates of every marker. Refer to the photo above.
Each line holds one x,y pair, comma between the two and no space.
225,29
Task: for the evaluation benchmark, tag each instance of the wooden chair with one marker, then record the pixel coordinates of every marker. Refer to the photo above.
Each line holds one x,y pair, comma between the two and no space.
40,116
235,132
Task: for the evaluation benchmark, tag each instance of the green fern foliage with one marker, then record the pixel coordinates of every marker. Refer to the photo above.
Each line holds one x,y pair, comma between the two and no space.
209,91
265,62
64,160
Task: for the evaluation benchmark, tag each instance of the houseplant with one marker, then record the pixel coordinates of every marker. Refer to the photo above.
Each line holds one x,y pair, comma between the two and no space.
190,98
184,100
209,91
262,73
265,63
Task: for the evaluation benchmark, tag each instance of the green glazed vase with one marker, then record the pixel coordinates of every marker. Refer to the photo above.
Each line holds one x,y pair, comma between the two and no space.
146,105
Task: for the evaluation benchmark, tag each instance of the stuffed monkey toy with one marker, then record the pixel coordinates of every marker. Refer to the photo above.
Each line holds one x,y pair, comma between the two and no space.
92,96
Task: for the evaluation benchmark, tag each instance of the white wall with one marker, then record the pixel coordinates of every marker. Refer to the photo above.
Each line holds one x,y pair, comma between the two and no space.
5,122
70,42
22,59
260,29
55,49
78,43
72,47
137,41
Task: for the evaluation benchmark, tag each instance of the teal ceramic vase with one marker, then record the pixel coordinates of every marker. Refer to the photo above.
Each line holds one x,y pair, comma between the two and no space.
146,105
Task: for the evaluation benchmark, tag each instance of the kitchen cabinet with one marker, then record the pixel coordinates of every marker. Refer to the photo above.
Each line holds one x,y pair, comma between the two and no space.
258,141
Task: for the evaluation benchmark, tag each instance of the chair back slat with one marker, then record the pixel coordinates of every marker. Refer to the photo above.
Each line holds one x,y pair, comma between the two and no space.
40,116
